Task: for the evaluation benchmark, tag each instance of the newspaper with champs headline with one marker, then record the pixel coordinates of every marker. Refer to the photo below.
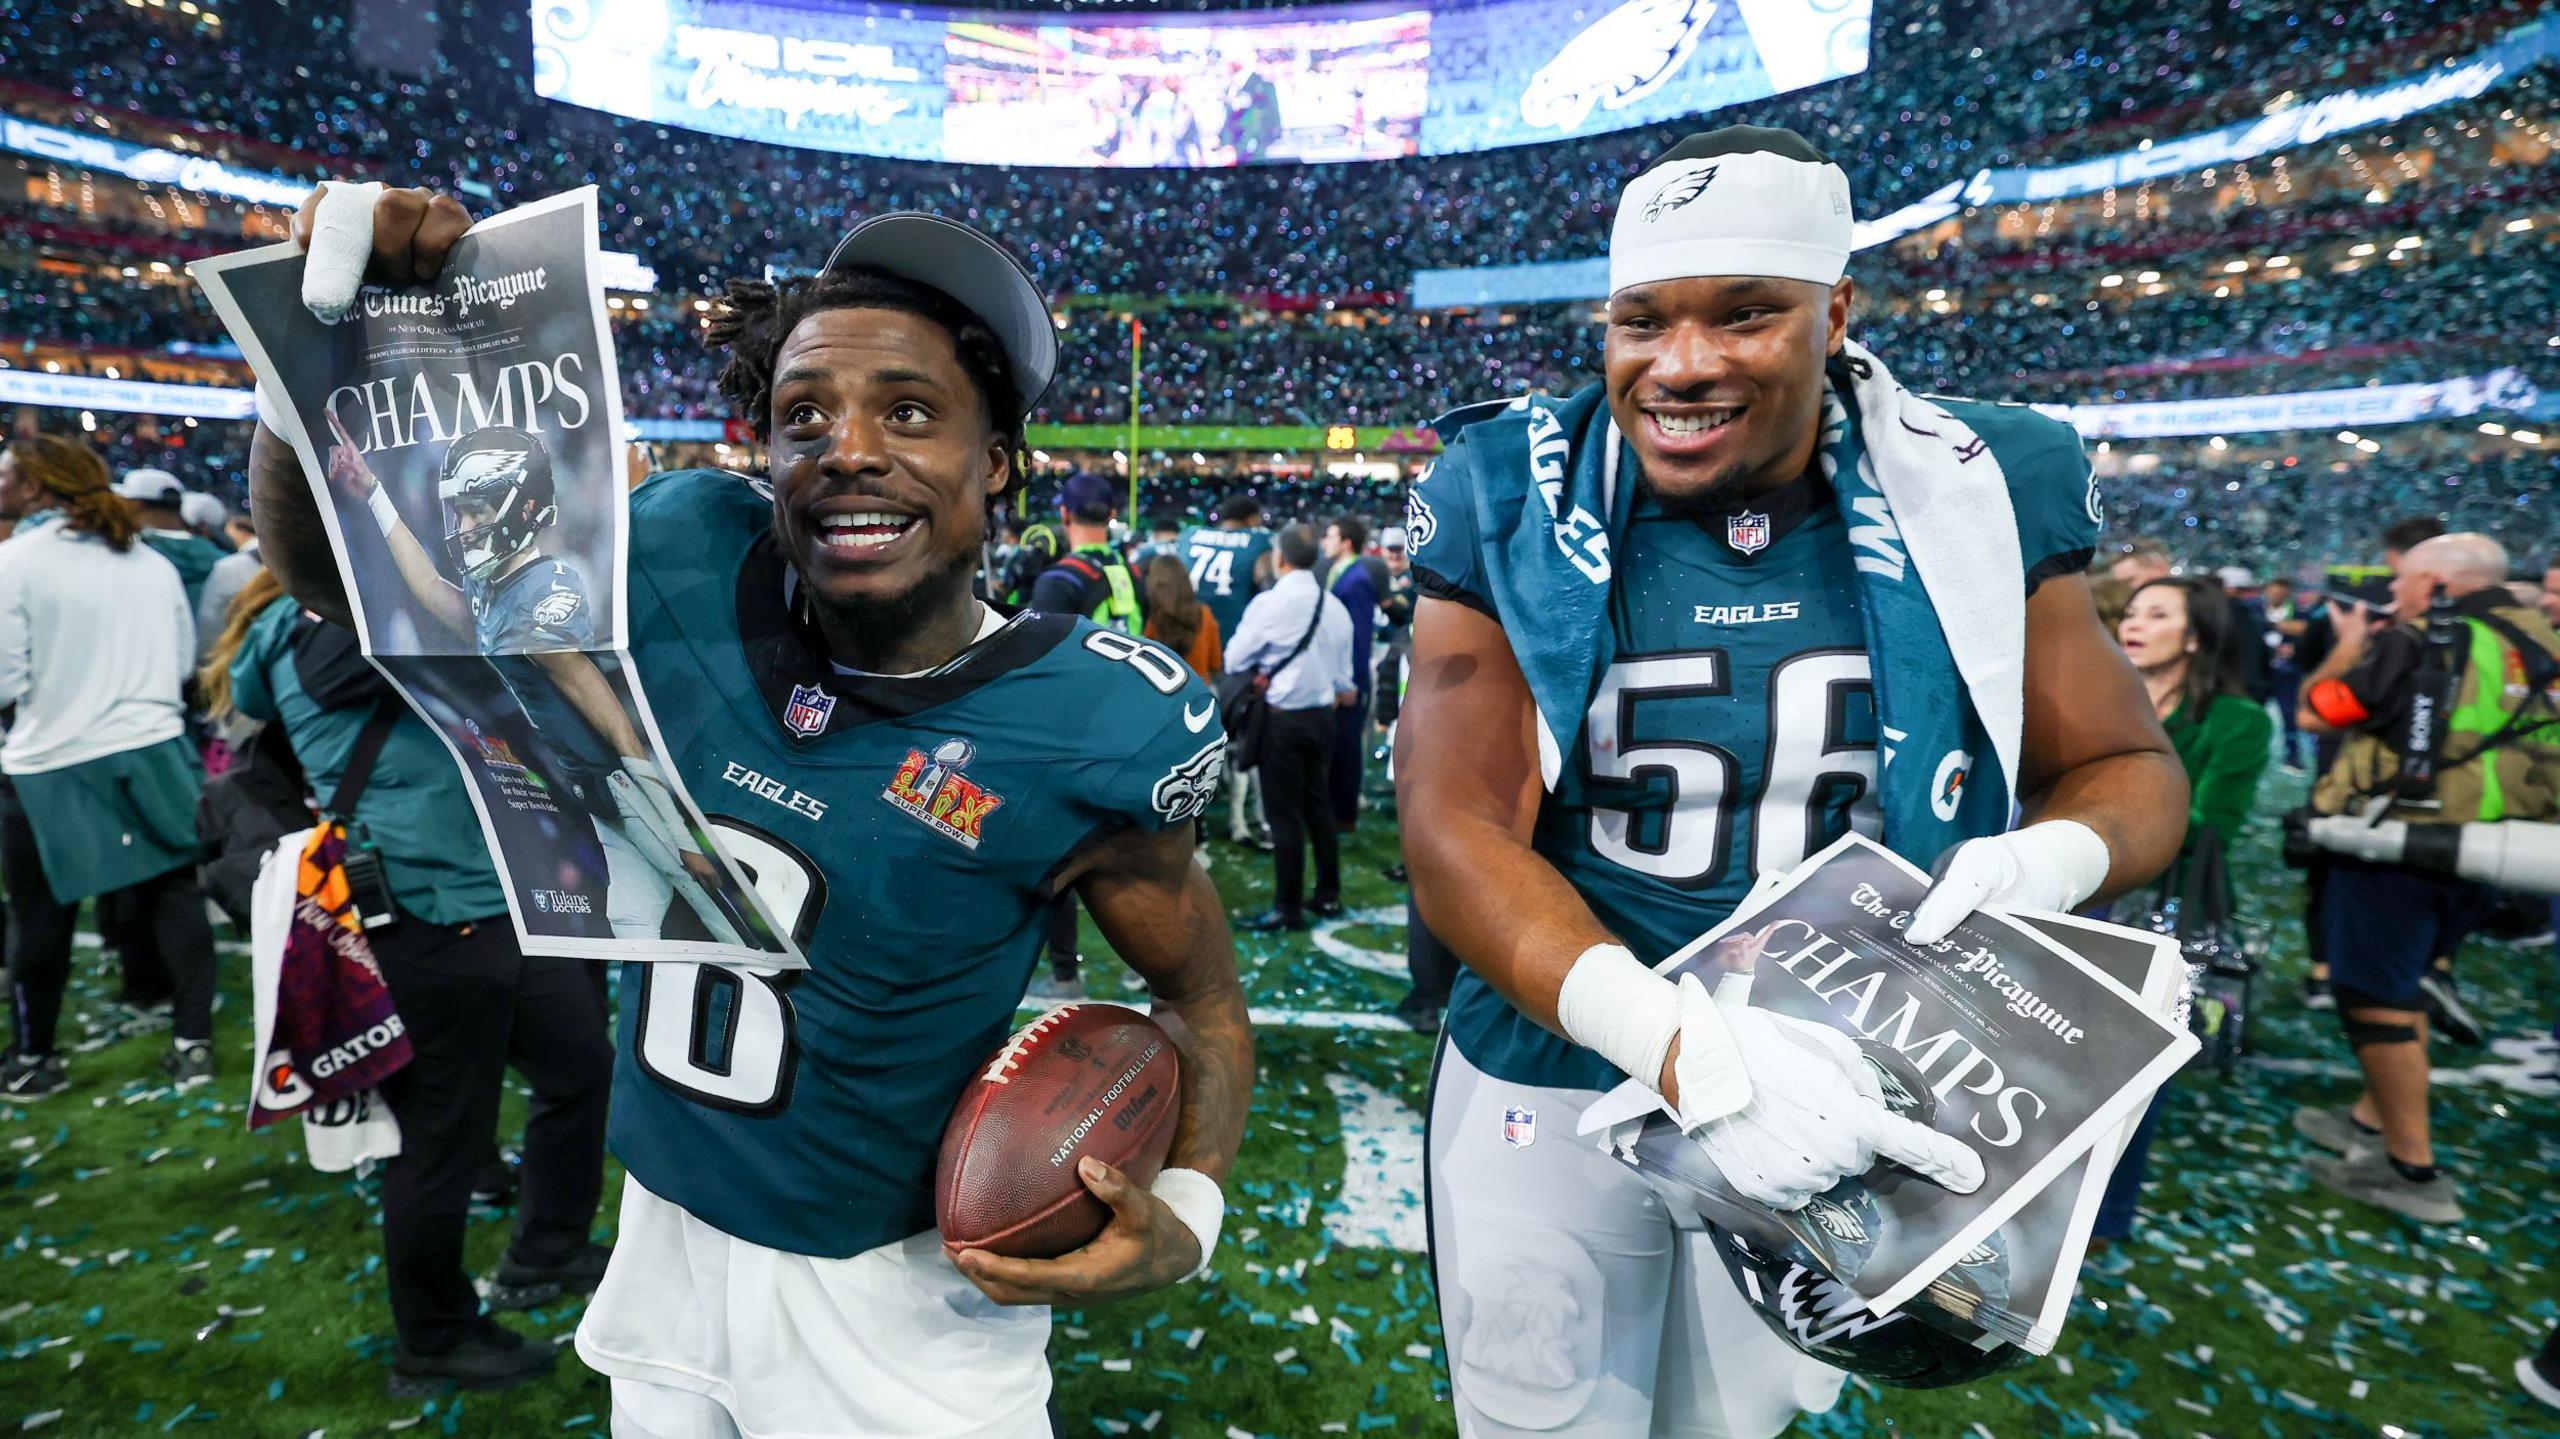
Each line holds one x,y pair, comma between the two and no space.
2037,1039
464,440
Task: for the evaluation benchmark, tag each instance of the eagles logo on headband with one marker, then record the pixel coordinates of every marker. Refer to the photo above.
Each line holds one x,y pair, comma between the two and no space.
1742,200
497,497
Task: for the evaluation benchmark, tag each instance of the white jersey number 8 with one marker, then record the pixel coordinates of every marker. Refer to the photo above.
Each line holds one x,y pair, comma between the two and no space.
724,1035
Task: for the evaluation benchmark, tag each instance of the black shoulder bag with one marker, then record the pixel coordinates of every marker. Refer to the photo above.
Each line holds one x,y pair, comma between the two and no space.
1244,700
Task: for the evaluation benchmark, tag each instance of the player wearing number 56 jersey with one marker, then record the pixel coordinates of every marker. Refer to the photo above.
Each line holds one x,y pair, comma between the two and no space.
911,782
1680,630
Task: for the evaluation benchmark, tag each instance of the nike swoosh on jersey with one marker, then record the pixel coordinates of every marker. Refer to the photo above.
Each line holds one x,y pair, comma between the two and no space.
1199,721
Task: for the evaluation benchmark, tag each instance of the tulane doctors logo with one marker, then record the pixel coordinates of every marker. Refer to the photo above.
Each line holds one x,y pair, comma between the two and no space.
1617,60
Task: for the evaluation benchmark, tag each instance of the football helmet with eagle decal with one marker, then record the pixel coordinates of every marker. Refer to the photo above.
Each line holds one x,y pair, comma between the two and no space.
497,496
1922,1345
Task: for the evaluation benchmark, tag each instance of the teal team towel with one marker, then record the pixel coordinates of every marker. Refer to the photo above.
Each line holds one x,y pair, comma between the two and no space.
1548,486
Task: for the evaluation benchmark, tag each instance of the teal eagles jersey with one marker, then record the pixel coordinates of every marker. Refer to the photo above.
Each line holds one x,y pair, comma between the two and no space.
544,606
1222,564
908,830
1737,731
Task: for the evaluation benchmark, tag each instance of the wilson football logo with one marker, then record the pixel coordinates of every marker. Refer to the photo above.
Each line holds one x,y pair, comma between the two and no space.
1617,60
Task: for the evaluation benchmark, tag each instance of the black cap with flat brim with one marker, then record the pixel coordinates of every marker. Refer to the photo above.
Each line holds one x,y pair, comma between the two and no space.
980,275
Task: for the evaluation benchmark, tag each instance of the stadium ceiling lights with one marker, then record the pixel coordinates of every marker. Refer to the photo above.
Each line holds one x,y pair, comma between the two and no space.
2519,225
2492,427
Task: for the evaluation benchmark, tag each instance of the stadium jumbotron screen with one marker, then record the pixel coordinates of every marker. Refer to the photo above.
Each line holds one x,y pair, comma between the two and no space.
1342,82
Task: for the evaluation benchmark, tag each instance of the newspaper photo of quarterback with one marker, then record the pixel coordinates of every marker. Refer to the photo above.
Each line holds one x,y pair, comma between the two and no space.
1683,628
461,424
914,782
530,617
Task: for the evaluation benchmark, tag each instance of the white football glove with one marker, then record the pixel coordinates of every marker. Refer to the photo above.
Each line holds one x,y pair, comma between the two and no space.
1786,1109
2054,865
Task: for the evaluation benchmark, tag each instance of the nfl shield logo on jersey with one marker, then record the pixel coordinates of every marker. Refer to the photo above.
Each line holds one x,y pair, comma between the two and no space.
809,710
1747,532
1519,1127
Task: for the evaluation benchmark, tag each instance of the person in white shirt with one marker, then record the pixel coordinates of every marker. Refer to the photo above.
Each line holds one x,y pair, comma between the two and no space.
96,640
1300,637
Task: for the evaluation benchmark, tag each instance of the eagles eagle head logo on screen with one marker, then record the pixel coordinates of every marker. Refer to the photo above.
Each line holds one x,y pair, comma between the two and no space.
1617,60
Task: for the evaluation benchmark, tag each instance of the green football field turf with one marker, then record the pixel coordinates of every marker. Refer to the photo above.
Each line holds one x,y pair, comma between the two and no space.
164,1271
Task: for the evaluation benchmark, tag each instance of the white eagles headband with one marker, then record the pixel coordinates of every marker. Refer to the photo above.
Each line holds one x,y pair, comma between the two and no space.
1751,212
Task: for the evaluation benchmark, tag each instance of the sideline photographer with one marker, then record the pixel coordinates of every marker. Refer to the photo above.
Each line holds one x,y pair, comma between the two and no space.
2446,714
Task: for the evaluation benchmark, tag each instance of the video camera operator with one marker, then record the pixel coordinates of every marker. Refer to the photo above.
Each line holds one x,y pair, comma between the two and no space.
2445,711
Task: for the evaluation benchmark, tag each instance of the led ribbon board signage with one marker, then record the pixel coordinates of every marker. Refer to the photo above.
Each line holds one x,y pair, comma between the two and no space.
1340,82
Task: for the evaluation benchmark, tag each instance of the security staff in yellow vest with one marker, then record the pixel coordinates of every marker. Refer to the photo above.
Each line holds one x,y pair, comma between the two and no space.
1090,579
2447,705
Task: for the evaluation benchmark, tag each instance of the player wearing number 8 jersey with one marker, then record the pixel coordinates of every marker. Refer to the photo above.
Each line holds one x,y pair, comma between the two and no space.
1680,630
911,782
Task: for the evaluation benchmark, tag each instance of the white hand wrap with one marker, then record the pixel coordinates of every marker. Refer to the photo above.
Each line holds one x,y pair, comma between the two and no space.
341,245
2053,865
1196,1200
385,513
1614,1006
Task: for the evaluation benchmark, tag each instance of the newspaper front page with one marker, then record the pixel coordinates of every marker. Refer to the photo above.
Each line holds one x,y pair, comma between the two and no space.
463,439
2038,1058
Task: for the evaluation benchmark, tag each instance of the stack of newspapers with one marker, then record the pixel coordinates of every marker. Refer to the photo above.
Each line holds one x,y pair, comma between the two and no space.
2038,1039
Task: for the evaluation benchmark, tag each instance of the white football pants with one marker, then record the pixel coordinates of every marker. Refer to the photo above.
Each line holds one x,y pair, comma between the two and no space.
1571,1302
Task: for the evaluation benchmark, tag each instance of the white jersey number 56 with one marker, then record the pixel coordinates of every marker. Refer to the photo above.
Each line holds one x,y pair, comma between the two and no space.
1808,760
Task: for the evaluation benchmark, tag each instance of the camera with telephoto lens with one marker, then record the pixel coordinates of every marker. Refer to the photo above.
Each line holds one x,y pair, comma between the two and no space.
2299,849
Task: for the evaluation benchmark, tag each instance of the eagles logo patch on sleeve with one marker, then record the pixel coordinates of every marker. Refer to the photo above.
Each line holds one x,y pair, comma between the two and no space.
1185,791
558,607
1419,523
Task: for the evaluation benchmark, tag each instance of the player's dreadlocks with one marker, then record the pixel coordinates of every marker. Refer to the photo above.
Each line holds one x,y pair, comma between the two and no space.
757,316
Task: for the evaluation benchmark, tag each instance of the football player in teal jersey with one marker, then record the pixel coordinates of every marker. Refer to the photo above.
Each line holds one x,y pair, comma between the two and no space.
1226,561
912,781
1725,714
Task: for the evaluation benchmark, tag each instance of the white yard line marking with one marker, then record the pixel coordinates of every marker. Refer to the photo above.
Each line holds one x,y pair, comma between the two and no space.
1342,951
1292,1018
1381,1198
98,941
2508,1076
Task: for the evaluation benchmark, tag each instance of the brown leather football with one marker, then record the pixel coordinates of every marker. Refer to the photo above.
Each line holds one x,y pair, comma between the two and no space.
1083,1079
